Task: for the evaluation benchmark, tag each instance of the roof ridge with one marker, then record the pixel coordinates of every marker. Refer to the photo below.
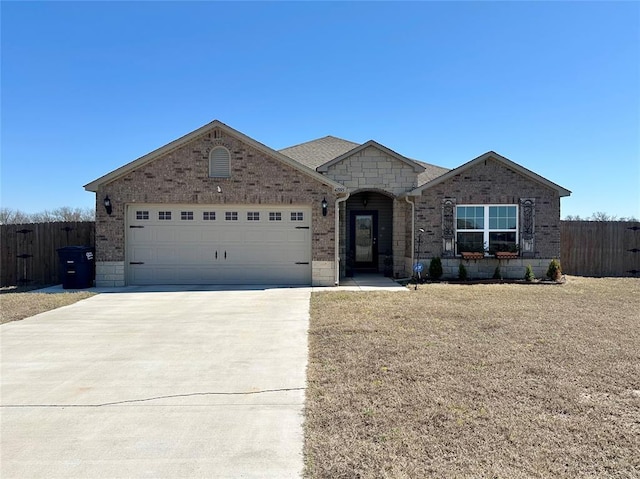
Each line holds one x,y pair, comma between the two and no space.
318,139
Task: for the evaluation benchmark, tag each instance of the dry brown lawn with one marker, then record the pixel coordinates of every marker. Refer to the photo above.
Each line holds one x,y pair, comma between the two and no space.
482,381
16,305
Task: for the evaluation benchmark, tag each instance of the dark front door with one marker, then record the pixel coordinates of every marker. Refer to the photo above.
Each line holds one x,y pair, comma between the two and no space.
364,239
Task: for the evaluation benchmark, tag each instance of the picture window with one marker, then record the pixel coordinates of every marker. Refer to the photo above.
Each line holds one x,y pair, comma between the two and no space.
492,227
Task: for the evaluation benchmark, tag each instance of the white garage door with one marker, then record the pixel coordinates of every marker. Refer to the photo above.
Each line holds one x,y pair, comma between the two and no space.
218,244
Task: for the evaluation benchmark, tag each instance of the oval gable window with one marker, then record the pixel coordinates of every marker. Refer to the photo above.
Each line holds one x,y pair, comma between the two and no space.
219,163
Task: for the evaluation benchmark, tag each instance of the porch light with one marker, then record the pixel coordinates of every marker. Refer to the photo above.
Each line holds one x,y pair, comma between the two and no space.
325,205
107,204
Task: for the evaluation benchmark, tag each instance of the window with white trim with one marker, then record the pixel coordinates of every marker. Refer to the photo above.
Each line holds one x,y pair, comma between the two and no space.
253,216
231,216
297,216
164,215
219,163
209,215
482,227
142,215
186,215
275,216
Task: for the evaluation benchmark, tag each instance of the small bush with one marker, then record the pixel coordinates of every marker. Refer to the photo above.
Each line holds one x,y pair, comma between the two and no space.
528,274
554,272
435,268
497,274
462,272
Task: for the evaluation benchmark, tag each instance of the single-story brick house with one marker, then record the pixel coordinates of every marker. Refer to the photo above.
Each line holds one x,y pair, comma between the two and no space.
218,207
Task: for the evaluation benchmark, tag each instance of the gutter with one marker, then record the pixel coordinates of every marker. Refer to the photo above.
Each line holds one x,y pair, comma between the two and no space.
337,233
413,228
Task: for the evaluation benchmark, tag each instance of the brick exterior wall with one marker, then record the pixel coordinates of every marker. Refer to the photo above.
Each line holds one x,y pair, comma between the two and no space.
182,176
490,182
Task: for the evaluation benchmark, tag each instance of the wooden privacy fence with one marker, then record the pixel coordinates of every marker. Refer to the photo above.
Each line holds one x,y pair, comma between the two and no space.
600,248
28,252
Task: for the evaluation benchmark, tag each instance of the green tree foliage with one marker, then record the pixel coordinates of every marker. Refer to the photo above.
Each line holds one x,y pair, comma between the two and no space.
462,272
435,268
554,272
528,274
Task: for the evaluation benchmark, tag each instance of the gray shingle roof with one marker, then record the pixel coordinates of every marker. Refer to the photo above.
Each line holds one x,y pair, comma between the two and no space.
431,172
317,152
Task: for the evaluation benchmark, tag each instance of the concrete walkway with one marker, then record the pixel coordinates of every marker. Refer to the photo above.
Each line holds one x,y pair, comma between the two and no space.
162,384
366,282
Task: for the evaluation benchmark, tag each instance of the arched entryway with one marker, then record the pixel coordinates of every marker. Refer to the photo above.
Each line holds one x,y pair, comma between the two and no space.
369,232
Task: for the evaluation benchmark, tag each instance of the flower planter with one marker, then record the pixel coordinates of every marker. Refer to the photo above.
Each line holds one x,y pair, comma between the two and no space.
470,255
506,255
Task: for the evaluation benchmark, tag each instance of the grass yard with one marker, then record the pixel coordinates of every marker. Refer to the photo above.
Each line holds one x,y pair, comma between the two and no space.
482,381
16,305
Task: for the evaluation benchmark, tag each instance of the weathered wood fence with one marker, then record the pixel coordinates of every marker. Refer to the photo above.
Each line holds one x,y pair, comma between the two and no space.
28,253
600,248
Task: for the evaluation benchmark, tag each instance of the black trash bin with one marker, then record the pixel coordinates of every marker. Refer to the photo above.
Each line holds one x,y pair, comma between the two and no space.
77,266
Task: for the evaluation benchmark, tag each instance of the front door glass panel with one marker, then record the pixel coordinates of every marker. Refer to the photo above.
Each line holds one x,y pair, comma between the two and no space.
364,238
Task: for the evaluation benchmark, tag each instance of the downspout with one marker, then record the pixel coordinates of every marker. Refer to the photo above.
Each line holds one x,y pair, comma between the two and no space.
337,233
413,228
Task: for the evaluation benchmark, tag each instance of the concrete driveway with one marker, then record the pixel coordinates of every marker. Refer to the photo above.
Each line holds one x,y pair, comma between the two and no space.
162,384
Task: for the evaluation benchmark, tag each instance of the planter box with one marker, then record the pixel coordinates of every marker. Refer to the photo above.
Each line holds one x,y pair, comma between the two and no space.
468,255
506,255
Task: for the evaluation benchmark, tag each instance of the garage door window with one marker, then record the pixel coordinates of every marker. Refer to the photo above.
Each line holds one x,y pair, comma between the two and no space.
231,216
186,215
219,163
142,215
164,215
209,215
253,216
297,216
275,216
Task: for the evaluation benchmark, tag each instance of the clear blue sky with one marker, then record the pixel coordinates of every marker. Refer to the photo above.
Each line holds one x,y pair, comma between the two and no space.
554,86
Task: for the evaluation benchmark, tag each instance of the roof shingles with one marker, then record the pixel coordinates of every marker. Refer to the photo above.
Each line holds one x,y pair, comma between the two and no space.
317,152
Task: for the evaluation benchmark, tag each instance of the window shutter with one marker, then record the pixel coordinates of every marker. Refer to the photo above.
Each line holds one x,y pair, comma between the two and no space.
219,163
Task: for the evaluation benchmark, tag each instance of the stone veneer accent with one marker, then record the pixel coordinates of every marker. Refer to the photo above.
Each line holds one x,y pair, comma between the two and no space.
371,168
110,273
484,268
323,273
182,176
374,170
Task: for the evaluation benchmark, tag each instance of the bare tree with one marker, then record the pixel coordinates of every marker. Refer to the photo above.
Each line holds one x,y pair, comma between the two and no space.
600,216
64,213
10,216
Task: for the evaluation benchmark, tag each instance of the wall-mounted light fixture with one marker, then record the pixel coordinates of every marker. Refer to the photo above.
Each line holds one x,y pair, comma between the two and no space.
325,205
107,204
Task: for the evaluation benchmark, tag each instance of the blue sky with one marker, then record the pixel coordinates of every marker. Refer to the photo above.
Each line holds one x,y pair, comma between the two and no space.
553,86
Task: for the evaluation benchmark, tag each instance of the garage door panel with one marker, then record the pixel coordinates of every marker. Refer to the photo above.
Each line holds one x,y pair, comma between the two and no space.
218,252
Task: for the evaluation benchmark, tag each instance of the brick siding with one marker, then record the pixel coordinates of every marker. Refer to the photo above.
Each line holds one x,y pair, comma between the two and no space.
182,176
490,182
